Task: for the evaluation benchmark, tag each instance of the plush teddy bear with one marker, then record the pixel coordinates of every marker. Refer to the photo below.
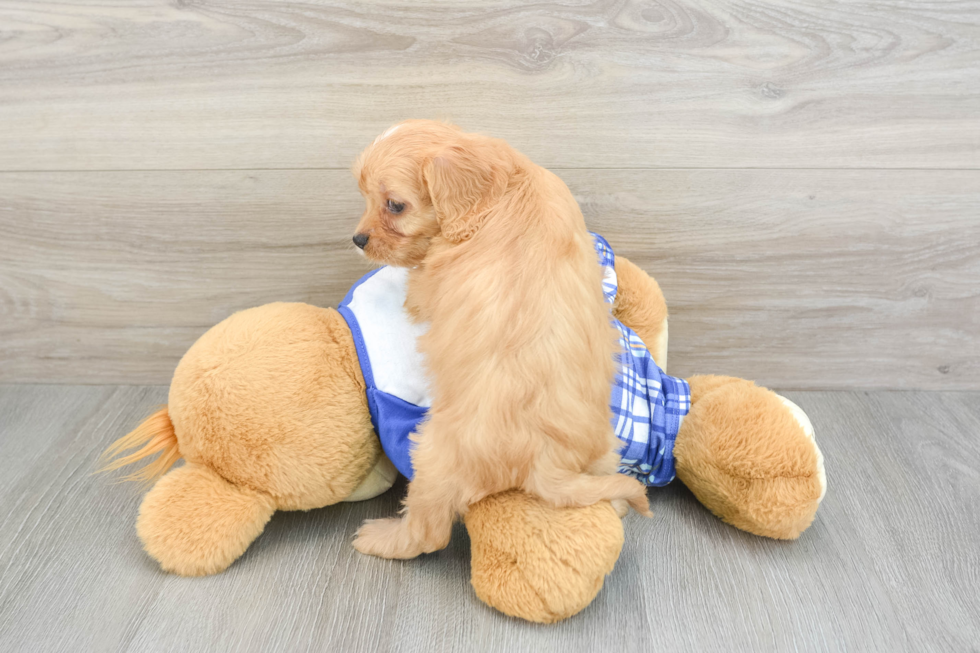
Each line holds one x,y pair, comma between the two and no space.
269,411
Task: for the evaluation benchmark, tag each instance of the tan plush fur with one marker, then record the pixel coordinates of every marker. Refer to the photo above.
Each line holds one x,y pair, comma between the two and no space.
196,523
268,408
520,348
530,560
744,456
294,355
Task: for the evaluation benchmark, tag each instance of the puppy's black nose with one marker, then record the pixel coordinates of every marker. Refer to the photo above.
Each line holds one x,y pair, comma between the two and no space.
360,240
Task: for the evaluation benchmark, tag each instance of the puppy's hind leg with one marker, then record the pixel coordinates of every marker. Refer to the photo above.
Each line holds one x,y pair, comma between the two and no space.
568,489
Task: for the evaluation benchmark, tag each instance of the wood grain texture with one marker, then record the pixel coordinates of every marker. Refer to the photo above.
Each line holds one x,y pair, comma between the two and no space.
147,84
890,564
806,279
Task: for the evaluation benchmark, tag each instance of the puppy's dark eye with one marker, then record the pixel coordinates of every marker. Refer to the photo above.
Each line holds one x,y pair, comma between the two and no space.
395,207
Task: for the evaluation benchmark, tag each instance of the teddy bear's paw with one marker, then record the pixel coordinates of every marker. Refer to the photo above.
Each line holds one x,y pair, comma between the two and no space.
194,522
750,457
537,562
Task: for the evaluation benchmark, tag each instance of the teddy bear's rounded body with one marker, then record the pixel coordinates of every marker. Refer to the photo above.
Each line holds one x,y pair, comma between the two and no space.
268,410
272,399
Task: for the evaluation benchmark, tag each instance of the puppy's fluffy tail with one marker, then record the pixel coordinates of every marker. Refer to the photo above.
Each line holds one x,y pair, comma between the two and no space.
577,490
154,435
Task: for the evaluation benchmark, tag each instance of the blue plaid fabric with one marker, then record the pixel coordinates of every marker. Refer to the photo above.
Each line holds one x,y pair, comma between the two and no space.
647,404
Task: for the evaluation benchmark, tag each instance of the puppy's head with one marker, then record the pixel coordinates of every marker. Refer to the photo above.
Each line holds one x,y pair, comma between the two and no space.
421,180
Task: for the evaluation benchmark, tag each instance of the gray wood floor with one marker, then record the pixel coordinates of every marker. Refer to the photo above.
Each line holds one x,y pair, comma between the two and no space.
892,562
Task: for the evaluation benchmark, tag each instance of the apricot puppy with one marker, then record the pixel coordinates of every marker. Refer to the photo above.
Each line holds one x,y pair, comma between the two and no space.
519,348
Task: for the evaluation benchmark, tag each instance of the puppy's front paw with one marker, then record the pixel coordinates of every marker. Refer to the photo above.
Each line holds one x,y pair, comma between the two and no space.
386,538
374,537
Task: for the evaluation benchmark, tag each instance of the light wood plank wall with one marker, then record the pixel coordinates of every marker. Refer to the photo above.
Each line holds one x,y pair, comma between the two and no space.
802,178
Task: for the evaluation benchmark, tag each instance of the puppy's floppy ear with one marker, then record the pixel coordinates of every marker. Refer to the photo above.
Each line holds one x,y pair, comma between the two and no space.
464,181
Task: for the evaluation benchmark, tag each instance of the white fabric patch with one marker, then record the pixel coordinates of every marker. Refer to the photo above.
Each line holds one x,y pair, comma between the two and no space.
390,336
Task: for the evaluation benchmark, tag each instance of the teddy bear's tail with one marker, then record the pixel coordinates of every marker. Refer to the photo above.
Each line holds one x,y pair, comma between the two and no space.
154,435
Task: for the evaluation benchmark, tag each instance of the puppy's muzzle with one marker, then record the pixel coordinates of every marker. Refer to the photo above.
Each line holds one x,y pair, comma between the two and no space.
361,240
